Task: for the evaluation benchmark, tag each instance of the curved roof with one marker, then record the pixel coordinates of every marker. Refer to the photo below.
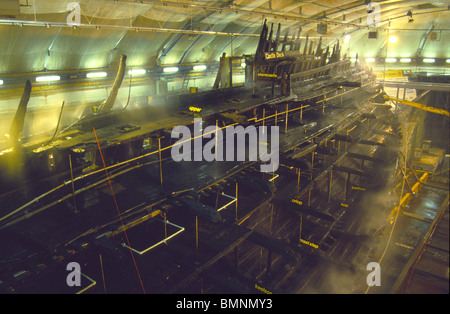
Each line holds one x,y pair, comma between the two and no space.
36,36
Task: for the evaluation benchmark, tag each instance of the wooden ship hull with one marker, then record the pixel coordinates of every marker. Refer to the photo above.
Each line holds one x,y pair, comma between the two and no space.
62,208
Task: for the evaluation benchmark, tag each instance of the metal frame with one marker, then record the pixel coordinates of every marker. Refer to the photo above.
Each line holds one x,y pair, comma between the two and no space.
160,242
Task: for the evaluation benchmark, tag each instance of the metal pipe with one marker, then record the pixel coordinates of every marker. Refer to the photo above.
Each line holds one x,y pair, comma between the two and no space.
196,238
160,162
103,274
73,185
236,201
121,27
330,179
287,111
300,232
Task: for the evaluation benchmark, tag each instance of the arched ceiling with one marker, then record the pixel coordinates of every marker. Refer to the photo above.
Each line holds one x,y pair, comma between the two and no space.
35,35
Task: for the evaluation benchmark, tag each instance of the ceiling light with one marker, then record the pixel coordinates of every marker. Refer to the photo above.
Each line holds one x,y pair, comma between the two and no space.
390,60
200,67
170,70
428,60
137,72
393,39
405,60
48,78
96,74
370,59
347,38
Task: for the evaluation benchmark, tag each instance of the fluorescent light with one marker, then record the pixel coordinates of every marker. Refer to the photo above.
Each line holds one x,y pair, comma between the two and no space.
200,67
96,74
405,60
137,72
48,78
370,59
391,60
170,70
428,60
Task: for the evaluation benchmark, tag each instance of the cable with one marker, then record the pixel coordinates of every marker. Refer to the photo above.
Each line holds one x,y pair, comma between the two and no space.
118,212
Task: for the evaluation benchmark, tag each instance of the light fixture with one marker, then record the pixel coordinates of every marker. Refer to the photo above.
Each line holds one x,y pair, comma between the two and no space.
353,59
1,82
428,60
137,72
347,38
200,67
243,65
393,39
170,70
405,60
410,17
370,59
448,60
48,78
96,74
391,60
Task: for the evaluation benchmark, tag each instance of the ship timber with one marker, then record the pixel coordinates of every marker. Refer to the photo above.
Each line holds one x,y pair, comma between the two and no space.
67,214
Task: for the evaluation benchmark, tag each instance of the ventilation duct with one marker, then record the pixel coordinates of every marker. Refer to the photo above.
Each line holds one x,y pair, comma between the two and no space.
322,28
373,35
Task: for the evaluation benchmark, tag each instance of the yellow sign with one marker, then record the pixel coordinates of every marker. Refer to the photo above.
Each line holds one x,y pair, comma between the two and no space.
267,75
195,109
394,73
274,55
358,188
344,205
296,201
262,289
309,243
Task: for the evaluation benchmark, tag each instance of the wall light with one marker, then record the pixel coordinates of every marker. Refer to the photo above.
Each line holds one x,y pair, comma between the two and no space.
200,67
405,60
428,60
48,78
370,59
96,74
391,60
170,70
137,72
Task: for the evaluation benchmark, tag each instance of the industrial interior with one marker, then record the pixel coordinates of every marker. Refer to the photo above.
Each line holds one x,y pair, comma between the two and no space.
350,99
